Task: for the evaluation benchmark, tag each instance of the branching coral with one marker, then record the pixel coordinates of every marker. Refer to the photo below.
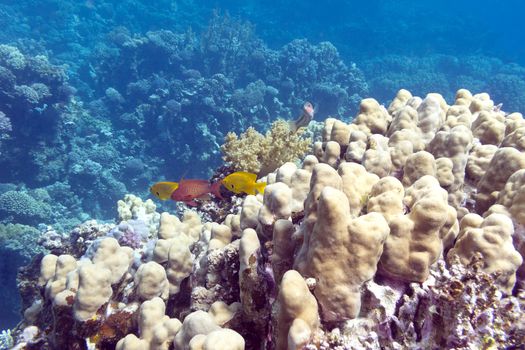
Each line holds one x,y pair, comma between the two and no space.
260,154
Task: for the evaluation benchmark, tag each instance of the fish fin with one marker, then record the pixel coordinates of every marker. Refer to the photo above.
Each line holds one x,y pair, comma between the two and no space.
191,203
183,175
259,187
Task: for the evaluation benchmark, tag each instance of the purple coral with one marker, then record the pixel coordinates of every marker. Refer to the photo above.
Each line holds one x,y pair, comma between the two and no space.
130,233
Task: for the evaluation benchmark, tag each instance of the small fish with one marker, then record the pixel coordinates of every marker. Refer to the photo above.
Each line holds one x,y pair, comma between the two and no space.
163,190
191,189
243,182
304,119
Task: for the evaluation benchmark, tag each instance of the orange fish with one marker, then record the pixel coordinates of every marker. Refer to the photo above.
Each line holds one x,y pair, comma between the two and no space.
191,189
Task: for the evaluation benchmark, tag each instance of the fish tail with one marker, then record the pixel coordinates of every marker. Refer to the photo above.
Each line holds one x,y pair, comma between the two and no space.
303,121
259,187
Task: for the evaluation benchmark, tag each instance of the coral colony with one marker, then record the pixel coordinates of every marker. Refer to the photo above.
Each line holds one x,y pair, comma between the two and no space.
403,229
311,205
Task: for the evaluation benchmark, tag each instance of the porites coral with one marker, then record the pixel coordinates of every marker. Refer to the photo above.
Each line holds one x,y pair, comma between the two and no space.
261,154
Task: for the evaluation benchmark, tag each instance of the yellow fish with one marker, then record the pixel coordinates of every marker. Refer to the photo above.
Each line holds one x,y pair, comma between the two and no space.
243,182
163,190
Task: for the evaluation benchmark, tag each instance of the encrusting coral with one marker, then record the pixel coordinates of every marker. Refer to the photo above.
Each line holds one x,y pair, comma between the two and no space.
403,229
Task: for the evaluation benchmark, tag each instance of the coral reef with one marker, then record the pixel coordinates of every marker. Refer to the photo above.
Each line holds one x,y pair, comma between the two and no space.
339,252
33,93
224,80
68,154
20,207
439,72
21,238
150,103
5,128
18,245
139,96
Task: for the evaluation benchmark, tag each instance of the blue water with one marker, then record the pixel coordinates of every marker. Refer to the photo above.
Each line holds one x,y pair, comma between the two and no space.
102,98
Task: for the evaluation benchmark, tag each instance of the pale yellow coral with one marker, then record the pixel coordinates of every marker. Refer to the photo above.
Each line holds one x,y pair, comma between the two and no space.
94,290
341,253
481,102
463,97
492,237
478,161
399,101
356,147
257,153
132,207
373,118
54,272
418,165
455,145
415,240
403,118
299,182
515,139
458,115
295,302
489,127
340,133
503,164
377,158
430,117
173,246
513,121
156,329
